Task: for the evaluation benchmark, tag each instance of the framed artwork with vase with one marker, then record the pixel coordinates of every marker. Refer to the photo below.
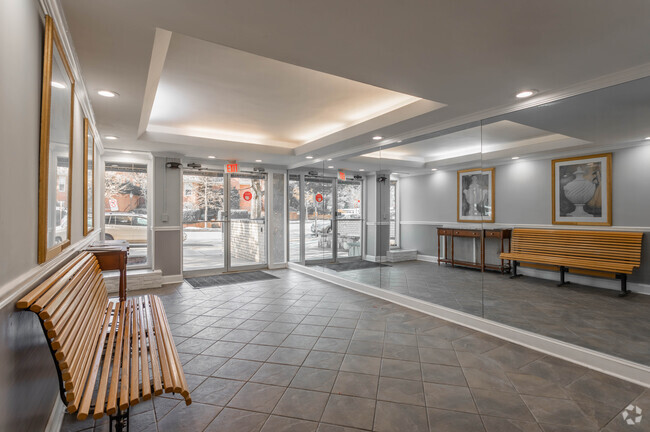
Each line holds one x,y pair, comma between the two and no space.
582,190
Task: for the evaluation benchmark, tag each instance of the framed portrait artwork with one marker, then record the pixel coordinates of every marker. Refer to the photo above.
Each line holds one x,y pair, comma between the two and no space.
582,190
55,164
475,195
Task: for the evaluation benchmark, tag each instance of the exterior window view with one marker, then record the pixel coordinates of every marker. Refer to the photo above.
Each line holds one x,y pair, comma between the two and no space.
325,216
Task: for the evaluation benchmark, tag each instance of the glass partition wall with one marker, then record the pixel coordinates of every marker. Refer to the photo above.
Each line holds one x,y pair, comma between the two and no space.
439,210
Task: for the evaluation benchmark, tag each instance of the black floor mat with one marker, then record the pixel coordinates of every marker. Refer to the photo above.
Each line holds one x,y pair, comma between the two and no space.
353,265
229,279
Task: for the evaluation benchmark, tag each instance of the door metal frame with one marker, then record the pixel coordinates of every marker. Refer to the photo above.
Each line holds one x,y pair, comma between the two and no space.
226,231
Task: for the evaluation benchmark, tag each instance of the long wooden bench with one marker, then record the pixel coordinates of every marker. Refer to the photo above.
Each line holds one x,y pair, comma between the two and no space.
612,254
109,355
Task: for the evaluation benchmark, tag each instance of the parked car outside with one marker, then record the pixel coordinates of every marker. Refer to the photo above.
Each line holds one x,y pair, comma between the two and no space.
126,226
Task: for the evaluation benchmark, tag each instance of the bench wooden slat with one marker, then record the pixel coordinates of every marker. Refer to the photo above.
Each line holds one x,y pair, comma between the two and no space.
144,356
100,403
167,383
69,281
84,408
135,359
64,297
111,404
37,292
153,350
182,383
126,358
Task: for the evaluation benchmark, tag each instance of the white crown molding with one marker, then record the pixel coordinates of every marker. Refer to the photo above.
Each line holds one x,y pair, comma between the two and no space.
608,364
53,8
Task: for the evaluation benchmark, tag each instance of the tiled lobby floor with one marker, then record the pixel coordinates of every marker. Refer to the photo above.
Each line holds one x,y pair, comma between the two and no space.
594,318
301,354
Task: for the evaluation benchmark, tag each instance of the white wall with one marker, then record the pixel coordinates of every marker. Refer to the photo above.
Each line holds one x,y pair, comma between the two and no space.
27,377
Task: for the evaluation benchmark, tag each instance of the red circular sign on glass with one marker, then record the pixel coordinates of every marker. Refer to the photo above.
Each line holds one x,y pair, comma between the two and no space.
248,195
319,198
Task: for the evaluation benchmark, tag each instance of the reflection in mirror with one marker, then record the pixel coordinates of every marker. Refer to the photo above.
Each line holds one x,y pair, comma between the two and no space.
56,148
554,186
89,178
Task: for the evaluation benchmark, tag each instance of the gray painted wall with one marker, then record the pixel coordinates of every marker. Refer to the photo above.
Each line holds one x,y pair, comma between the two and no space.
27,376
167,201
523,196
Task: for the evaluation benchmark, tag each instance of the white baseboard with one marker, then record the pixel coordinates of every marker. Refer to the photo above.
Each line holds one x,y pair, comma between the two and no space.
376,258
172,279
613,284
605,363
427,258
56,416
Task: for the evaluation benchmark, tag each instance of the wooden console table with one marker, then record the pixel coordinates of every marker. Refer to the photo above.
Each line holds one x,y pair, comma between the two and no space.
111,255
482,234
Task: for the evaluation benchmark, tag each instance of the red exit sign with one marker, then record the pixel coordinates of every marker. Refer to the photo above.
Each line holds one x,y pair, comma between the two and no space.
232,168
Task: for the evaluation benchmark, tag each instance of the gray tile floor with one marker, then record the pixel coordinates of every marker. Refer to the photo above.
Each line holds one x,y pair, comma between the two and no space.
300,354
591,317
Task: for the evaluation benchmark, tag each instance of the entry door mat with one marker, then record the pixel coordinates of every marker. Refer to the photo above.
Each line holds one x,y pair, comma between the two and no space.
229,279
353,265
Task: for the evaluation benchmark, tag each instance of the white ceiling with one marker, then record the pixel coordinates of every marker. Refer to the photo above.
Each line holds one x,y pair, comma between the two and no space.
471,56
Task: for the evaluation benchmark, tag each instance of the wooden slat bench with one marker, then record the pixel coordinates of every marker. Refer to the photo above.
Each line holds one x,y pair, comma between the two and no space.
109,355
613,254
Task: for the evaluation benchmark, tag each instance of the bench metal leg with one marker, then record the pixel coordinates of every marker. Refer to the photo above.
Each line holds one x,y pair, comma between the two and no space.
515,264
562,280
624,290
119,422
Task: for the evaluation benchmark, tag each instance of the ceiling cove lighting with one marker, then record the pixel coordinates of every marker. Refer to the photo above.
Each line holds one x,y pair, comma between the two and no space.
127,151
107,93
377,137
525,94
59,85
515,157
111,137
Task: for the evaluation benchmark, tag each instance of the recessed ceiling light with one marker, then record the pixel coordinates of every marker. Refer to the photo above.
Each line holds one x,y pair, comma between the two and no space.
127,151
331,158
58,85
331,166
309,157
648,138
361,169
434,169
258,160
107,93
377,137
110,137
515,157
525,93
212,157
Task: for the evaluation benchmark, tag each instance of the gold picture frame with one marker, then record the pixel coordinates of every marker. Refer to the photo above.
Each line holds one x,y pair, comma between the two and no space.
56,148
89,179
581,189
475,195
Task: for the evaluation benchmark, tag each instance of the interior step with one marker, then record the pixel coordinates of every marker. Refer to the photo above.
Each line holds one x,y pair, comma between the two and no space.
398,255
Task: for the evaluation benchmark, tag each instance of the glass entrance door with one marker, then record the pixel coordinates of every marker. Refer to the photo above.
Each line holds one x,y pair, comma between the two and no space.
224,221
246,221
319,217
204,228
348,220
